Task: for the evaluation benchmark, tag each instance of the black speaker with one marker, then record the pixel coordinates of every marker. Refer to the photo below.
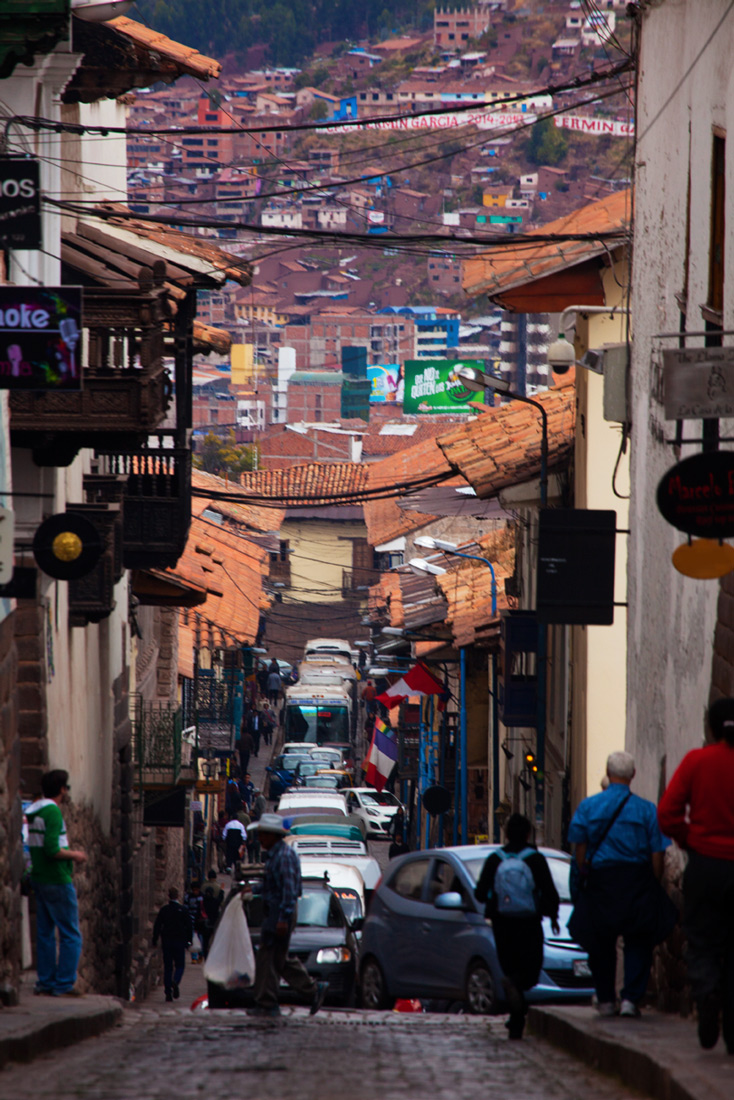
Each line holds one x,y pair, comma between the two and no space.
67,546
436,800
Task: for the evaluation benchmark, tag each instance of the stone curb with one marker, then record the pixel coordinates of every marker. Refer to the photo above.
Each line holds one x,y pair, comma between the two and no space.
49,1030
652,1069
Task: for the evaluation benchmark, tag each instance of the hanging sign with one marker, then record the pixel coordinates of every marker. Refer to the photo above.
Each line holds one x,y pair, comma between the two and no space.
698,383
697,495
20,203
40,336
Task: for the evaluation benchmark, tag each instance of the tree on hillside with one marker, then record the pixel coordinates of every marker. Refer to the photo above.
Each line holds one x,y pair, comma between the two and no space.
547,144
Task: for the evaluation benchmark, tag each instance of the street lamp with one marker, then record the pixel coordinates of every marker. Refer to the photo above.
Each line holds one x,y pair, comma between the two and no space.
479,380
420,566
426,542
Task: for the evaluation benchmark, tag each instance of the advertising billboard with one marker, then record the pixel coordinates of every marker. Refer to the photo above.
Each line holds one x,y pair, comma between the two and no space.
40,335
385,379
430,389
20,203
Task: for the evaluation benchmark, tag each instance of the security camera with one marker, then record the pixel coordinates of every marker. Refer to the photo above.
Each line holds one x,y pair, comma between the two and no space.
561,356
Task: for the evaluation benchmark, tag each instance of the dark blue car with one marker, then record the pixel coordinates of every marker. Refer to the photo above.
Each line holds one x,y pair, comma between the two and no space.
283,773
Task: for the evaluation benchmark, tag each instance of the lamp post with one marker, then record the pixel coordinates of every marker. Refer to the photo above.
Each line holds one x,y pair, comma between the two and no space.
479,380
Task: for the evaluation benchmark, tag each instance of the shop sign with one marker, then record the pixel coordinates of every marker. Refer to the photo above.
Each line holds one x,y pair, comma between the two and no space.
698,383
20,203
697,495
40,336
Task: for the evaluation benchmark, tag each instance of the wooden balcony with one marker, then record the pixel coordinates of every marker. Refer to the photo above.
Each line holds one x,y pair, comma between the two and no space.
126,389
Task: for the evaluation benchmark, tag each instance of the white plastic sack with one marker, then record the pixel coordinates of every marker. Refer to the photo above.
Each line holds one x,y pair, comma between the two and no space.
231,959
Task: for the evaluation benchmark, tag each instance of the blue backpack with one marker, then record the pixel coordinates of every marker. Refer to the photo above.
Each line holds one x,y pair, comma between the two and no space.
514,885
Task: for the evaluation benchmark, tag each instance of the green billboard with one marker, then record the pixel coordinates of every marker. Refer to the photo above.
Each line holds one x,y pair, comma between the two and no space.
429,387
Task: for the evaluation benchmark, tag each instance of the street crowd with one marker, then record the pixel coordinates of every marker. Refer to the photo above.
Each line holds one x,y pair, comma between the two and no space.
619,837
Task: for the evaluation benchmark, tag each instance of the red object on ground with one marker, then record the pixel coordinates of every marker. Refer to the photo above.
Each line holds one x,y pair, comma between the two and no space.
200,1002
404,1005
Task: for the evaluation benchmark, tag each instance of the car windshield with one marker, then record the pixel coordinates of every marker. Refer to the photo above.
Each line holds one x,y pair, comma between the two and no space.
314,724
326,756
315,909
325,782
379,798
559,869
351,903
290,761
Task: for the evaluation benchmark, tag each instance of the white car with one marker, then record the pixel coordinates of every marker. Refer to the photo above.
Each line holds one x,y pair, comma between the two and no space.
345,880
375,808
314,799
352,852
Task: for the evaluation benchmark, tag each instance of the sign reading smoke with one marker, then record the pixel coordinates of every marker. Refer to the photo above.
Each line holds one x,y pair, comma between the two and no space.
40,334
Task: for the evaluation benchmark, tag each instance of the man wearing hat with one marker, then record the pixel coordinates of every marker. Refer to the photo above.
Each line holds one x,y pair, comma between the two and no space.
281,890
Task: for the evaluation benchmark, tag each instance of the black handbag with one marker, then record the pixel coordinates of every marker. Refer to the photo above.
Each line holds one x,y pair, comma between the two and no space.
579,877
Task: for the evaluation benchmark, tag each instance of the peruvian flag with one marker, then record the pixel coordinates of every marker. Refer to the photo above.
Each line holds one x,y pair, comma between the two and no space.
418,681
382,755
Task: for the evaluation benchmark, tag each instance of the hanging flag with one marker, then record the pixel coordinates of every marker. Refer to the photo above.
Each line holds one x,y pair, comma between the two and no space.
419,681
382,755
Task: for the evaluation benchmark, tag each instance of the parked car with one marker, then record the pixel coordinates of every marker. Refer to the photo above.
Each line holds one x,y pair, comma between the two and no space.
324,939
376,808
426,936
333,827
282,773
344,879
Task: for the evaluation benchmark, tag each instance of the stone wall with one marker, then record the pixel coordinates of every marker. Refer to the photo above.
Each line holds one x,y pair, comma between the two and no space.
11,854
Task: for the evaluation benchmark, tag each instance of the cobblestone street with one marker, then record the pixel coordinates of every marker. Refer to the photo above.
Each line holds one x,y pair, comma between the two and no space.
171,1052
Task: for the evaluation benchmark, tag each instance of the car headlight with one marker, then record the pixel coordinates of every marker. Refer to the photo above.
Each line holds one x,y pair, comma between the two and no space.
333,955
373,813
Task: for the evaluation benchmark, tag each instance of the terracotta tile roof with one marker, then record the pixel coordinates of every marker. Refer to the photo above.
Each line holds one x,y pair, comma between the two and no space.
502,446
385,600
189,60
253,516
231,569
512,265
384,519
375,444
308,484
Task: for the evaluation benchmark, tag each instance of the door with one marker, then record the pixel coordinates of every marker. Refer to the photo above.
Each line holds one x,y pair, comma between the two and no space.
446,939
403,906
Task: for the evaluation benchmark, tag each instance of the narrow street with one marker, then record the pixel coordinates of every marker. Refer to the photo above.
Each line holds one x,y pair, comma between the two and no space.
172,1052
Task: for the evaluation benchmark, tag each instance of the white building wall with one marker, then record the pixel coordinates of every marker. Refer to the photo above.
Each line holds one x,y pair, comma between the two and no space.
671,618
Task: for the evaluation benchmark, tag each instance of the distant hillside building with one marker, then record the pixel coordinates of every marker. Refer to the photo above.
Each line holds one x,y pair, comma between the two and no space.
453,29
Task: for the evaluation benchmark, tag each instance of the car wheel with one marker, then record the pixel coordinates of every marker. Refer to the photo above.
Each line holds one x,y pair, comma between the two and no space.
480,992
374,990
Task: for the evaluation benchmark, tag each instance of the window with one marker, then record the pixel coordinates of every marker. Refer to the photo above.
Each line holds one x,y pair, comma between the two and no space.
444,880
408,882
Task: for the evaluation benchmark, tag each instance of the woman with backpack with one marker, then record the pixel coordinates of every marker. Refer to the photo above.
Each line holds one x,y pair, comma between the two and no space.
518,891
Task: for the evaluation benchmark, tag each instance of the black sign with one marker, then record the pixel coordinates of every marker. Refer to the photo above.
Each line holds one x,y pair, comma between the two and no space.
576,566
20,204
40,337
697,495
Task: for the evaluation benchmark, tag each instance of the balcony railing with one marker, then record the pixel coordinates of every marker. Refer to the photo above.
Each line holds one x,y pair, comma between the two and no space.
158,743
156,499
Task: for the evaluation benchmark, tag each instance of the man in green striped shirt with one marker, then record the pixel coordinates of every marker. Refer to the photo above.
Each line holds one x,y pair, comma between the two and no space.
56,903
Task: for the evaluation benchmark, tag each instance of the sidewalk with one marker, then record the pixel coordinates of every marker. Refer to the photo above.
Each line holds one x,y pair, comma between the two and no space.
40,1024
656,1054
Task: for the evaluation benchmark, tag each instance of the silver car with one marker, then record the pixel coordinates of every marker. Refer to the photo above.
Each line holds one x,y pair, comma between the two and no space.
426,936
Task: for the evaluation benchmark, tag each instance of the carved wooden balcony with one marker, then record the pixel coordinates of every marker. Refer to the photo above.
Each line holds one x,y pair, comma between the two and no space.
126,389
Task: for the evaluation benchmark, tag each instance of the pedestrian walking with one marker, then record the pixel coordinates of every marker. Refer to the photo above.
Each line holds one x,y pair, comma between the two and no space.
246,745
174,928
259,804
57,910
268,722
369,696
619,855
275,684
517,889
234,837
281,891
232,797
255,731
697,811
247,790
193,903
212,902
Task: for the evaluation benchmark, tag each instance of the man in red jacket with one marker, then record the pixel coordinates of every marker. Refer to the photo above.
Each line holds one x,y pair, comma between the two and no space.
697,811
